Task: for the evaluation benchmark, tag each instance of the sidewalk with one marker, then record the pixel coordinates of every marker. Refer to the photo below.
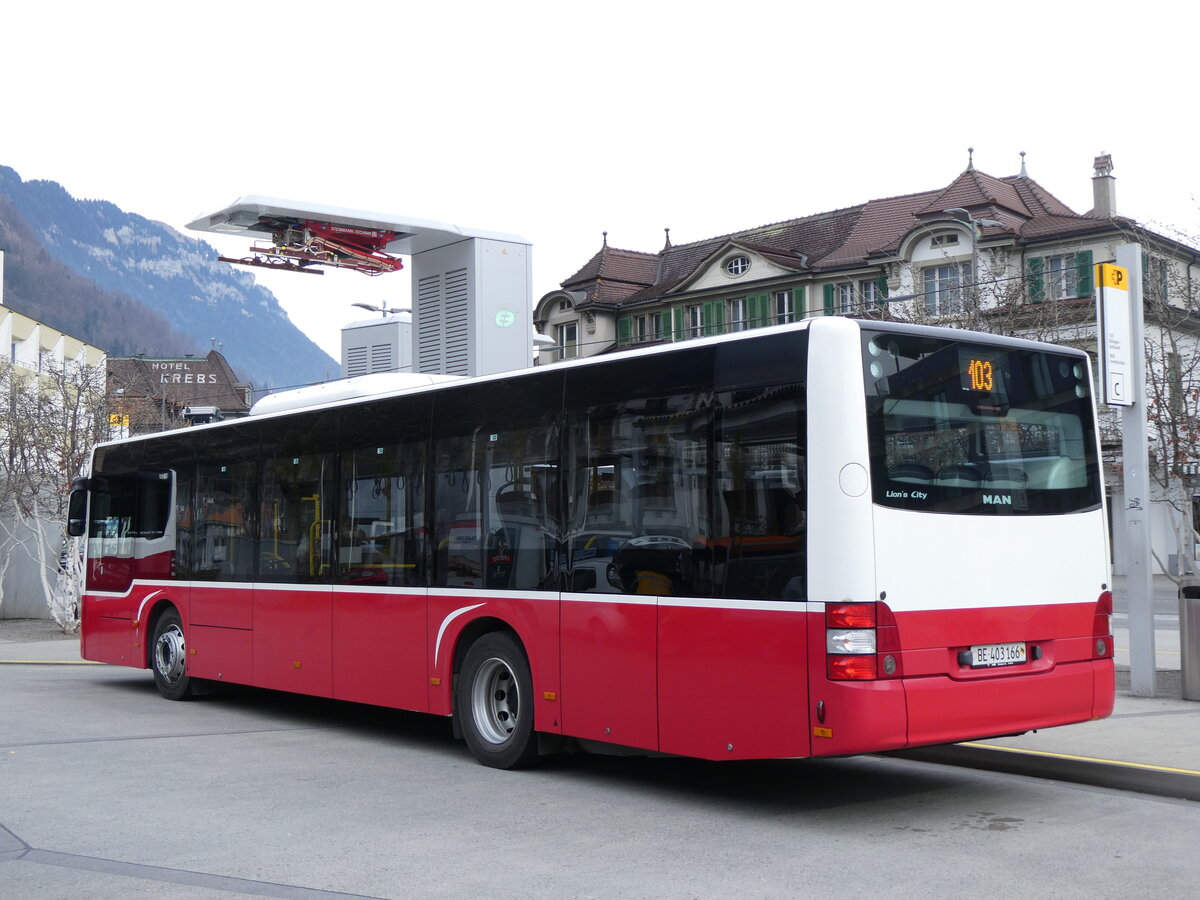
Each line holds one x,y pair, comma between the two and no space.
1145,737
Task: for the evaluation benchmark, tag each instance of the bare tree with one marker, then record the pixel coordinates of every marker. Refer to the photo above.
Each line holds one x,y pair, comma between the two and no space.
50,421
1172,322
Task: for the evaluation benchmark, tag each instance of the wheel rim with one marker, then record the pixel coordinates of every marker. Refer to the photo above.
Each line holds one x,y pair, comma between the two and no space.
169,654
495,701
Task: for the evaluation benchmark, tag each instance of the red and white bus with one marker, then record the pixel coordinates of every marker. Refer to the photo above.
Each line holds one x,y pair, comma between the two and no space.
823,538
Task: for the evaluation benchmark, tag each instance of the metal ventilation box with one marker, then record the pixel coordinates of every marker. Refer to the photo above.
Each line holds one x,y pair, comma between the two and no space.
472,308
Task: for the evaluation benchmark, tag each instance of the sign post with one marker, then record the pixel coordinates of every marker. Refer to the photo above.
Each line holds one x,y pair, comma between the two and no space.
1123,361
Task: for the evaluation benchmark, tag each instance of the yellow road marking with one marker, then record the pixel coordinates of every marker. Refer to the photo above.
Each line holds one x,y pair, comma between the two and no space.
1091,759
1156,651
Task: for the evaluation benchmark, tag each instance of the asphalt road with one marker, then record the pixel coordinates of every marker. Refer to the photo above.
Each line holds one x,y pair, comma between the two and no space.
108,791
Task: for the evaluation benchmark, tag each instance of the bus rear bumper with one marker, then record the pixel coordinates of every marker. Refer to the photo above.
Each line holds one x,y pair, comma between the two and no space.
942,710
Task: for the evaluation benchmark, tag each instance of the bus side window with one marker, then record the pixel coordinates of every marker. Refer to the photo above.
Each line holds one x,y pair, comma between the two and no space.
759,533
296,512
643,499
222,547
381,533
495,486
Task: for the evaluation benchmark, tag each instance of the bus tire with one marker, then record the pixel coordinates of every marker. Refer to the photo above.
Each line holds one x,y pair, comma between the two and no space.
495,702
168,657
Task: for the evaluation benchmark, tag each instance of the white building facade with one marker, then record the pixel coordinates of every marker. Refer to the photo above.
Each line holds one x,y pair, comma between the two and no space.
35,350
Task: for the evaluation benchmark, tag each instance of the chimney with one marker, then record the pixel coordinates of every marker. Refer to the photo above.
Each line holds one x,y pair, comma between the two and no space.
1104,188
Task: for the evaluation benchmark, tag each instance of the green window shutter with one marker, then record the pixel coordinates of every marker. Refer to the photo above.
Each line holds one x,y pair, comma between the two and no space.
677,322
714,317
624,331
1083,272
829,304
1034,267
757,309
882,288
800,301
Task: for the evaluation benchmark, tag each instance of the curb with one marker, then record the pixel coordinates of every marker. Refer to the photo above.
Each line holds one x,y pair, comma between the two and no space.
50,662
1160,781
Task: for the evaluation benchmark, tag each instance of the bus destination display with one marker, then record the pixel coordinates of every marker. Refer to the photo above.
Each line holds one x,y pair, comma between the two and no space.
978,373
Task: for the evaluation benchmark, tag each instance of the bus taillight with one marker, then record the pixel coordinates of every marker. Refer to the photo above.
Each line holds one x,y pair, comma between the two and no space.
1102,625
862,642
851,668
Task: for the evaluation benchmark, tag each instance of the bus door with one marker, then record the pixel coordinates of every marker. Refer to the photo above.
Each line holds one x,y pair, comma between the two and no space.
130,538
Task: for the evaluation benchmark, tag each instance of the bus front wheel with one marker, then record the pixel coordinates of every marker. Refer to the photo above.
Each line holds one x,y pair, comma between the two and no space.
168,657
494,702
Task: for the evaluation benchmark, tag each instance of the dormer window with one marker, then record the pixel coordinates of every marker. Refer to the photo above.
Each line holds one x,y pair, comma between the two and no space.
944,240
737,265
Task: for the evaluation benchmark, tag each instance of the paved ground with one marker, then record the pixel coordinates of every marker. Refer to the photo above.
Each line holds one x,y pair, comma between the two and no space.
22,630
108,791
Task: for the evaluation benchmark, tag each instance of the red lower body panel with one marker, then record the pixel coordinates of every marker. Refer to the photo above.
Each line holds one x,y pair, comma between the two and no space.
106,630
941,710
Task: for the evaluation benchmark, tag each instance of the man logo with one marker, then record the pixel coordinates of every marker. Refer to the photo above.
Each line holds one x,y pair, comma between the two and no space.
997,499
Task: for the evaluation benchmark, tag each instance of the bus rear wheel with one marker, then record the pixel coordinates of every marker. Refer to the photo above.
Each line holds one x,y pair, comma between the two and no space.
168,657
494,702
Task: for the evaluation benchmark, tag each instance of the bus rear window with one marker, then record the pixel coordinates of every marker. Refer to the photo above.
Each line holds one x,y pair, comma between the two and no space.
978,429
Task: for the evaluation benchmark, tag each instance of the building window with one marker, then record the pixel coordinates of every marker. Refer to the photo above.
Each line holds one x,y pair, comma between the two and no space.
568,340
647,328
737,265
658,325
944,288
943,240
783,307
641,329
845,299
694,320
739,314
1061,277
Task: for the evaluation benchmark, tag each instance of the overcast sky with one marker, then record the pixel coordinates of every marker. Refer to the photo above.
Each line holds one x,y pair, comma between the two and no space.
558,121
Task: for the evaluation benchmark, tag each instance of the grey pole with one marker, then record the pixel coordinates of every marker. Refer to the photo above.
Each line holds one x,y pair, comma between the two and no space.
1135,450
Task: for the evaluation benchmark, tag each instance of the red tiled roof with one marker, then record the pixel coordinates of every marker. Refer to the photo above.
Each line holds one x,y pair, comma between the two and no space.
630,266
975,189
843,238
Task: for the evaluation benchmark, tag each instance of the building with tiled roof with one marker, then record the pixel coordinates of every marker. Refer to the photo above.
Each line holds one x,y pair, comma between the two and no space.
925,255
999,254
148,395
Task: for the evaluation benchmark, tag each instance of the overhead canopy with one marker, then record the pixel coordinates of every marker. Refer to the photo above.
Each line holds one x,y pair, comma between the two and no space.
258,216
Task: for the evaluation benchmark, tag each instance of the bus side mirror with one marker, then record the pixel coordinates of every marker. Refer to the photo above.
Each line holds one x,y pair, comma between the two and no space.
77,513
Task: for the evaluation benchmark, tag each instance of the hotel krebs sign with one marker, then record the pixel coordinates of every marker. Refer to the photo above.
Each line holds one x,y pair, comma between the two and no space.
181,373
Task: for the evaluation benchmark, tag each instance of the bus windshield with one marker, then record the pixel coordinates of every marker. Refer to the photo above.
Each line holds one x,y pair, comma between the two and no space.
978,429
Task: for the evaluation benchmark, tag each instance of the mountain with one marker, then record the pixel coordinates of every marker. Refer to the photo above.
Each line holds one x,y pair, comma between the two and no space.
129,286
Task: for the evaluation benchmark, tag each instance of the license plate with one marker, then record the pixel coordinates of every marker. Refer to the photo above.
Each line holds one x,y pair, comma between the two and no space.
983,655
